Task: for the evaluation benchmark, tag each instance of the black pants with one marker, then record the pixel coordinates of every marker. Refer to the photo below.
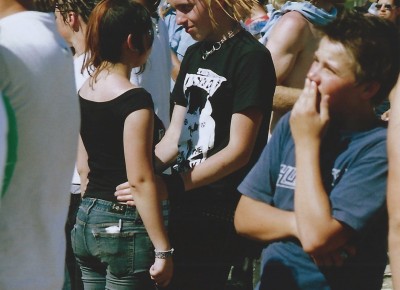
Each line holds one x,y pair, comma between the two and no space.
206,245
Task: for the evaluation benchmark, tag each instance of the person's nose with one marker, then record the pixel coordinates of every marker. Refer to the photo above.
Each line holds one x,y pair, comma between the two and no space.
180,18
313,73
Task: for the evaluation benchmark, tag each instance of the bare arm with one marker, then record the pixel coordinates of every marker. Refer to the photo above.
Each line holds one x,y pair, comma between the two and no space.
166,152
284,99
243,133
176,65
393,190
82,165
138,138
319,232
285,52
167,149
260,221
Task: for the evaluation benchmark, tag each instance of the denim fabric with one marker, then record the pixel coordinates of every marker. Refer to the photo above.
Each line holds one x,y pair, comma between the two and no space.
112,247
73,280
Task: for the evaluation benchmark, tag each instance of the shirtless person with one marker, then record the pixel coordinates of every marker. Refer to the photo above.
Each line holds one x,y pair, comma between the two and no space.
293,54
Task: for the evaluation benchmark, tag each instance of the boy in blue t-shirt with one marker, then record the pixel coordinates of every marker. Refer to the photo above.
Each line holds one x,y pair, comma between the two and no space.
316,196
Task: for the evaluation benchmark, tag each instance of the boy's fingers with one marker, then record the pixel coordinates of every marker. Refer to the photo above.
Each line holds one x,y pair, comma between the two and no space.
324,108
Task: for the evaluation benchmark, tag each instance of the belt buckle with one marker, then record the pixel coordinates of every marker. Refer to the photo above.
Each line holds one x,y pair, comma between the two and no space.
118,208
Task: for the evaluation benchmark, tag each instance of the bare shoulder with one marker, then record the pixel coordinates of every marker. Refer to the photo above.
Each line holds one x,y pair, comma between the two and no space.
105,88
290,34
291,24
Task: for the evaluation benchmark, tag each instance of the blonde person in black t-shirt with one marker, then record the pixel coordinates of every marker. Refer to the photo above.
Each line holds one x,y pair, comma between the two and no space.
223,98
117,246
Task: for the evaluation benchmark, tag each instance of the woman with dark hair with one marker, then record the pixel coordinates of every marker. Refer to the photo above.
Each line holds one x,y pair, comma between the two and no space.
114,243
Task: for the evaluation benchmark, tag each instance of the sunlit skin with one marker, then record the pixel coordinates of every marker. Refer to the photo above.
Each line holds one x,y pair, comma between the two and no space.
333,71
194,16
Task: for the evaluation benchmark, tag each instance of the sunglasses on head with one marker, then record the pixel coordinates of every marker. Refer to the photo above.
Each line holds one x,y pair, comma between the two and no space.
386,6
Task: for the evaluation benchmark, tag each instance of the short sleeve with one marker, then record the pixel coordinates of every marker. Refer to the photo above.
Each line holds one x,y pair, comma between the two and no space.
134,100
361,192
254,81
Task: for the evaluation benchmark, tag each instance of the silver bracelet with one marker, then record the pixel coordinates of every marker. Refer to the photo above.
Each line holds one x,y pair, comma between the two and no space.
163,254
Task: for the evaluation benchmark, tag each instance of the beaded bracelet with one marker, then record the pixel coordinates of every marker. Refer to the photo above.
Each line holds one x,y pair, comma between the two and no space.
163,254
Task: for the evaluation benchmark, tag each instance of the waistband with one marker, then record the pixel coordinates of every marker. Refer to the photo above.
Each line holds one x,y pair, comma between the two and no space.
116,207
108,206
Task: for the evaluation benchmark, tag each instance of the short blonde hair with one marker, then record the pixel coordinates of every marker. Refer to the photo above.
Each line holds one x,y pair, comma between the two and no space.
238,10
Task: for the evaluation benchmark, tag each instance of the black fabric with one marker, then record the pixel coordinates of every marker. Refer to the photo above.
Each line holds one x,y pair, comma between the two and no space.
238,76
174,184
102,126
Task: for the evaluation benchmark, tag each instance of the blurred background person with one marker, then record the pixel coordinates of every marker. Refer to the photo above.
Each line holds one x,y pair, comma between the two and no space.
37,83
71,19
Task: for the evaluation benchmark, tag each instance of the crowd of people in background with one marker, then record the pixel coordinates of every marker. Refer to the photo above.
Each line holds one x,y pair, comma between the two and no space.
148,144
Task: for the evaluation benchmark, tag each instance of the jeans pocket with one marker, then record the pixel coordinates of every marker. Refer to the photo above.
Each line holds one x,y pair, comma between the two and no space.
125,252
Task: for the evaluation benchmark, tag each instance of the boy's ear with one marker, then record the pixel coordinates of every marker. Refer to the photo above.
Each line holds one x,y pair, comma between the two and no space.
370,90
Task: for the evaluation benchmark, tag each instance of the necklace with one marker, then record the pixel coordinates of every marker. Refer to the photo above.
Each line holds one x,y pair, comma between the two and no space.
217,46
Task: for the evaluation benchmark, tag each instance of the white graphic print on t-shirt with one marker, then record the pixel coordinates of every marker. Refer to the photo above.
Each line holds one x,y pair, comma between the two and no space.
198,132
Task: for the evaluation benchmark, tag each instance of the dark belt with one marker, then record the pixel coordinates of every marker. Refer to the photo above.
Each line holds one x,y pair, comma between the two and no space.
113,207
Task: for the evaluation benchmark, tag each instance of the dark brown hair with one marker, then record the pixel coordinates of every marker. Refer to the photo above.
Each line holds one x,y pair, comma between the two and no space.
109,26
374,43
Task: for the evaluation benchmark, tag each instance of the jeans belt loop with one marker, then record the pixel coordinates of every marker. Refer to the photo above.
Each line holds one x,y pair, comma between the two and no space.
93,202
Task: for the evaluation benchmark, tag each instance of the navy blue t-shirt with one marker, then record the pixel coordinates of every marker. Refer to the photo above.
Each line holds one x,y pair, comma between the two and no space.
354,171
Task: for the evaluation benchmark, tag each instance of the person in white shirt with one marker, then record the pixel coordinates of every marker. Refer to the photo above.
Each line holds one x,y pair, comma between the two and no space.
37,80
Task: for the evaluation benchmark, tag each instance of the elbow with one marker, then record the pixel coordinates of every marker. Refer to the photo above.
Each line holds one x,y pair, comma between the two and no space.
83,171
243,159
242,229
240,226
241,223
140,185
313,242
312,247
317,245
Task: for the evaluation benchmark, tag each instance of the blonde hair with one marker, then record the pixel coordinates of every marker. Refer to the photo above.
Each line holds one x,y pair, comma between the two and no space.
238,10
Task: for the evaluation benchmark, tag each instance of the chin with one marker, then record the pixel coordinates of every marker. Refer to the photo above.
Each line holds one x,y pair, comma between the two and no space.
197,37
